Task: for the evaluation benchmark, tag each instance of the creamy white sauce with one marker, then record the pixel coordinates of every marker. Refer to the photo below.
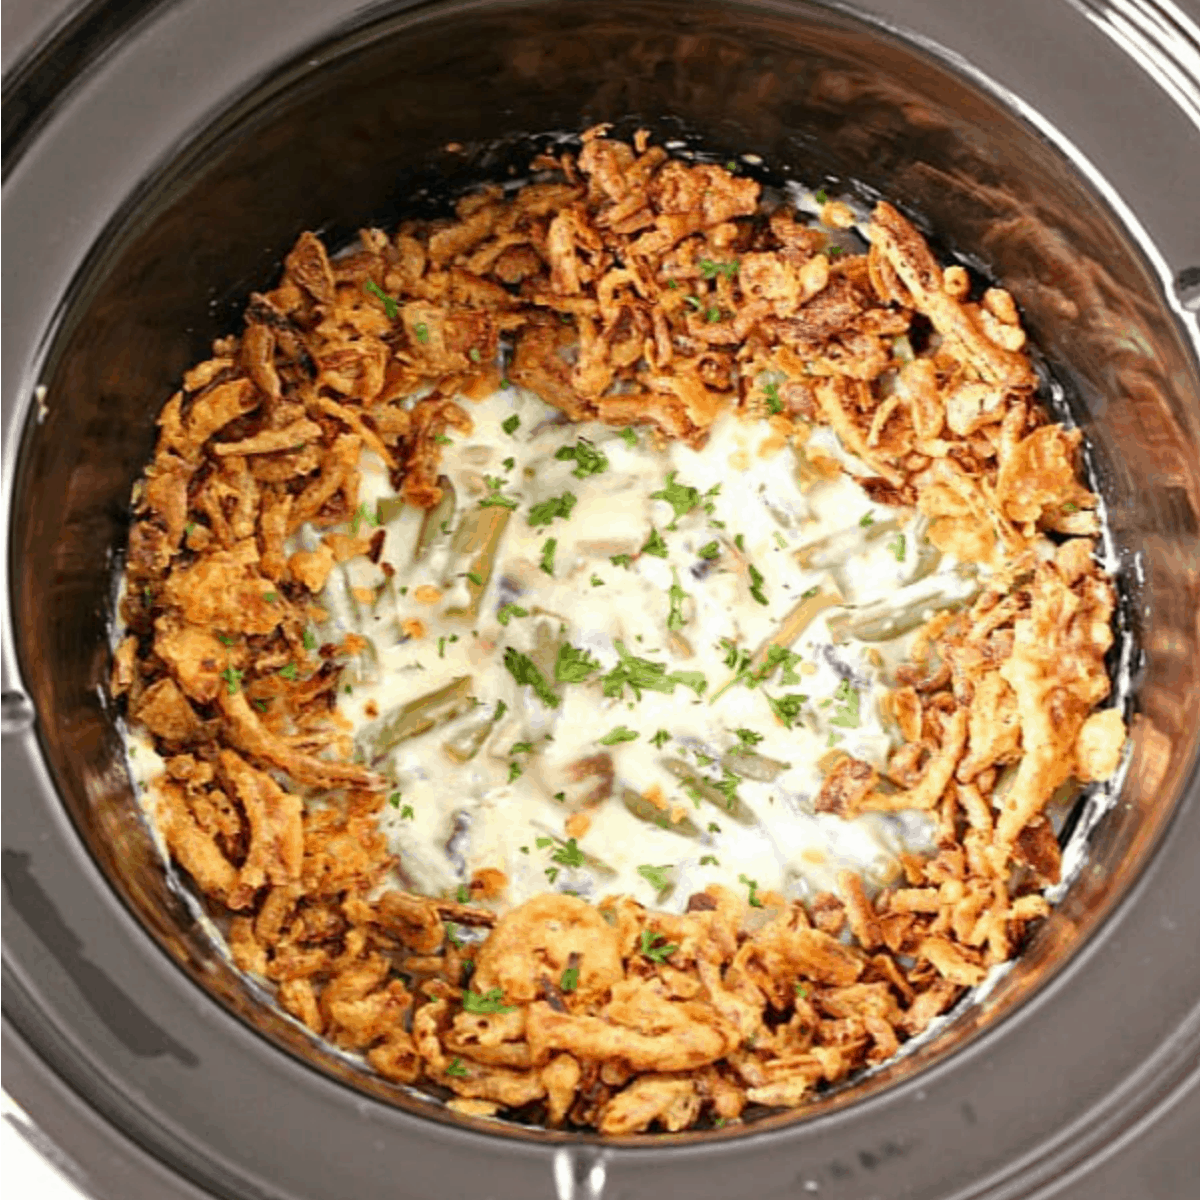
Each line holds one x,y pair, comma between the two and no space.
507,806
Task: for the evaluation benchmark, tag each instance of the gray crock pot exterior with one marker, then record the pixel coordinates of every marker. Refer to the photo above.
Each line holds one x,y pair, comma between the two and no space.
1085,1084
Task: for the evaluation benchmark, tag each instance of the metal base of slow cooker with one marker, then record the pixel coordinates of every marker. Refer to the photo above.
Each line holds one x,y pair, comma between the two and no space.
160,161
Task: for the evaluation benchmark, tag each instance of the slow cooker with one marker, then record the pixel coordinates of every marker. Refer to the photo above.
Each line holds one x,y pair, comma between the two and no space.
160,159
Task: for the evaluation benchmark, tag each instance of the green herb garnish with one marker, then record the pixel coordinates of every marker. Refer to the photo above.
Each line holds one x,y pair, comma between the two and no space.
508,611
620,734
548,548
655,545
588,460
659,878
390,307
525,671
548,510
573,665
753,899
654,946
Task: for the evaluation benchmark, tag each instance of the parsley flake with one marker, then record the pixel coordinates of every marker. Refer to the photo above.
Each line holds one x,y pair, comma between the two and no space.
753,899
508,611
620,734
661,738
787,708
390,307
675,596
510,424
456,1068
569,980
573,665
659,878
548,548
548,510
588,460
288,672
654,946
525,671
896,546
847,714
631,438
710,550
494,499
655,545
680,496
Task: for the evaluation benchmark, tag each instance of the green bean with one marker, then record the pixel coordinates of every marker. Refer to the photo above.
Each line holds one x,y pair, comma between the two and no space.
467,742
833,549
641,808
436,522
697,785
905,610
478,535
754,766
416,717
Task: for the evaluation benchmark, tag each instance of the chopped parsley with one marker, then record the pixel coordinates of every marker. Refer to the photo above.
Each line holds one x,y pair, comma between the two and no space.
756,582
774,403
525,671
406,813
548,510
514,771
728,787
737,659
573,665
787,708
568,854
521,748
747,740
709,860
896,546
508,611
569,980
801,990
288,672
456,1068
510,424
675,596
710,269
463,894
596,581
621,560
501,709
779,656
710,550
812,591
588,460
655,544
548,548
753,899
867,520
452,934
821,196
655,947
310,640
473,354
680,496
620,734
362,514
642,674
475,578
659,878
847,714
494,499
390,307
394,799
631,438
422,332
232,677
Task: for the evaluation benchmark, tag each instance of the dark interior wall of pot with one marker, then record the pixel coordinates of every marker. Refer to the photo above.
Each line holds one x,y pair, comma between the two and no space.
361,137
